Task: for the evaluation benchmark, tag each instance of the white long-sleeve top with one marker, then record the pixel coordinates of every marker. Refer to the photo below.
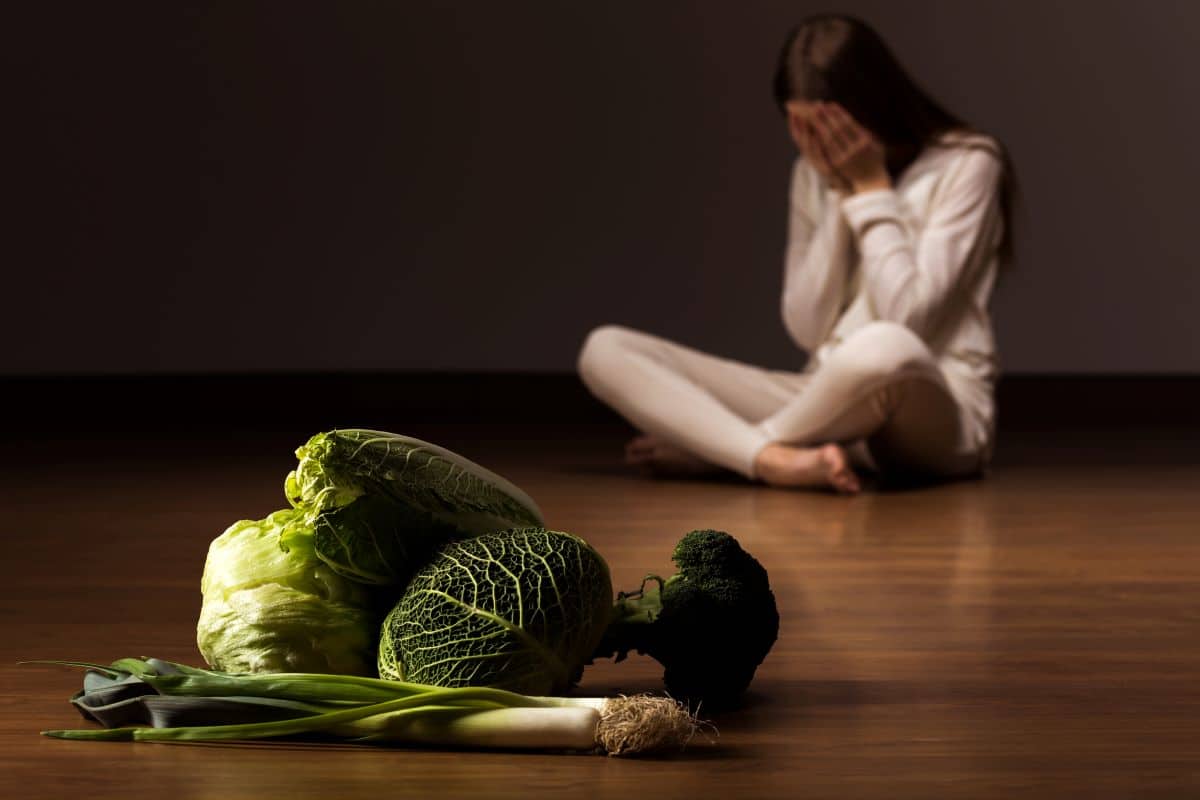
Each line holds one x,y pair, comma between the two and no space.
922,253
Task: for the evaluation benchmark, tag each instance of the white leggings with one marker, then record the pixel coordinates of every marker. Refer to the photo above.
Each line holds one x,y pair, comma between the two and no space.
880,393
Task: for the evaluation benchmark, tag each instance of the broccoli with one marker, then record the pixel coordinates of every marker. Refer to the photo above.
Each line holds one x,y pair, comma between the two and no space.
710,625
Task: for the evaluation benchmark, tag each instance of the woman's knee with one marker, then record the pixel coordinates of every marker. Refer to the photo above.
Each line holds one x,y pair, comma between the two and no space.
602,351
882,348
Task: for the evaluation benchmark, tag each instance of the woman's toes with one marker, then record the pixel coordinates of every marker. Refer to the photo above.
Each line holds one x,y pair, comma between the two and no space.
838,470
845,483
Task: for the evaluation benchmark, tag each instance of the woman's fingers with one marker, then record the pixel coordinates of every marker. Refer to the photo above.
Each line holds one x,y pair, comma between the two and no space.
815,149
796,128
821,158
849,136
835,138
840,148
833,149
846,126
822,147
809,141
858,136
812,139
801,134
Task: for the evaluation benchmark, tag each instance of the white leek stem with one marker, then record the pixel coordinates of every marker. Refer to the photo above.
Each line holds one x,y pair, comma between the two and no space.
561,728
614,725
597,703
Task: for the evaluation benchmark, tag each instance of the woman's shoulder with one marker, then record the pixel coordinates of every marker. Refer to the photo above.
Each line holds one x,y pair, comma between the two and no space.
960,142
969,157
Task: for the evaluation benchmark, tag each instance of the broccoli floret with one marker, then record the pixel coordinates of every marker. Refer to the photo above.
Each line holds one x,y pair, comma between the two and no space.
710,625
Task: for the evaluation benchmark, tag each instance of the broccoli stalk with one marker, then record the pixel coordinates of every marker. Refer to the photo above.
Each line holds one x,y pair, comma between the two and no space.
710,625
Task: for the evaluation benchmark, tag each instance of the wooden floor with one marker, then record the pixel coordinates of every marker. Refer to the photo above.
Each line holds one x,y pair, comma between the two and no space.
1035,634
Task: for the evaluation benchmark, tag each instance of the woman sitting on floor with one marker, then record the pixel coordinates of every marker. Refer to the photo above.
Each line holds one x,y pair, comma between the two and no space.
899,219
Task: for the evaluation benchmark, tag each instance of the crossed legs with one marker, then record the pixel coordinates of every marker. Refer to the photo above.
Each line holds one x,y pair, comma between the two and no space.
881,392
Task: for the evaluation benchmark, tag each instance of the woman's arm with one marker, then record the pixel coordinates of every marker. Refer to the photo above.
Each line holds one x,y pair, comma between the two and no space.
814,280
911,283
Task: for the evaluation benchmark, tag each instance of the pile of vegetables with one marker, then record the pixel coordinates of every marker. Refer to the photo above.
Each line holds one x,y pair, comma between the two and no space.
403,560
368,509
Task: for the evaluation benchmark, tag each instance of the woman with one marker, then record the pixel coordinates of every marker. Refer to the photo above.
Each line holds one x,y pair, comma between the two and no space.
899,219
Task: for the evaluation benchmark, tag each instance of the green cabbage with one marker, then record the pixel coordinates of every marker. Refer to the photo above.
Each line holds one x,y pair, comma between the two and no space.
270,610
377,505
521,610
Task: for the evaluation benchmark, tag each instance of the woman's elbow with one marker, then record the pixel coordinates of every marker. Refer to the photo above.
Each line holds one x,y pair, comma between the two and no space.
800,326
801,334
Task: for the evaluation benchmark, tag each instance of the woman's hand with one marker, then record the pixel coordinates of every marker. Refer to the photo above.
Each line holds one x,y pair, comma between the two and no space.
850,150
810,146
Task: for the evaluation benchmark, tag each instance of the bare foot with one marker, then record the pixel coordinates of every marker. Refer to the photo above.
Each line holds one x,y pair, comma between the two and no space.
806,467
660,458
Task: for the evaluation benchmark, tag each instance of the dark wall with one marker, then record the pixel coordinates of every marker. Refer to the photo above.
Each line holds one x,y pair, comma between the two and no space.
474,185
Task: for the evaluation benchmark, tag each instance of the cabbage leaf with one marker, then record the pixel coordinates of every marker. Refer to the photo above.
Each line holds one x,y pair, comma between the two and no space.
521,610
270,610
375,506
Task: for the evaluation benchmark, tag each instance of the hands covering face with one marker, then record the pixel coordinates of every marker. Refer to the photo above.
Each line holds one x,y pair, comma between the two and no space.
845,153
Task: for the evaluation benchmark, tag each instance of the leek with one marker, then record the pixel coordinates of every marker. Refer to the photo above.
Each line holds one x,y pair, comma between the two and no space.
172,702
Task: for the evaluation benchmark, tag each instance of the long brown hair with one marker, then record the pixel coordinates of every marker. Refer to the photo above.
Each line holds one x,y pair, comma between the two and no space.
840,58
